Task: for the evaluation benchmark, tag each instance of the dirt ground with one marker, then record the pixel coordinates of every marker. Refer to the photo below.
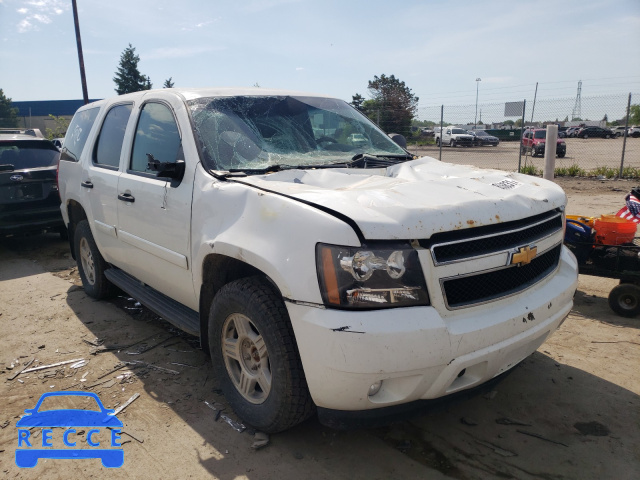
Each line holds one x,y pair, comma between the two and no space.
570,411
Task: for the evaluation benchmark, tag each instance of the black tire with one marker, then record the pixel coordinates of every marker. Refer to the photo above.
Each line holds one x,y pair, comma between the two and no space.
625,300
452,143
561,155
585,136
249,314
91,265
533,152
607,136
437,142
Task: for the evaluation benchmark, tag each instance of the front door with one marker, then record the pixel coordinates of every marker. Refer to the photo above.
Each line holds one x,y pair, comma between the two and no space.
154,214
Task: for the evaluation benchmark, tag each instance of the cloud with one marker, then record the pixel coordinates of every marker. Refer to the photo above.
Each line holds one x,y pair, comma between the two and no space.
299,69
40,12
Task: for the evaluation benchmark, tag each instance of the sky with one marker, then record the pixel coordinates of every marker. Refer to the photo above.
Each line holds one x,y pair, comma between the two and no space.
437,48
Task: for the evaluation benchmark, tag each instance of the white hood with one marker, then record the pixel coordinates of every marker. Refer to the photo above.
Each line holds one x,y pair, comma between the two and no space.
414,200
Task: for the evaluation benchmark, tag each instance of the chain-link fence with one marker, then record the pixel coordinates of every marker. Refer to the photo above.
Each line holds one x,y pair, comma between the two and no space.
599,149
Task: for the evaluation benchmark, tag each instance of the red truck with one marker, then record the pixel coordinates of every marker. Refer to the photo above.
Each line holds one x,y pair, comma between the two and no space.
534,140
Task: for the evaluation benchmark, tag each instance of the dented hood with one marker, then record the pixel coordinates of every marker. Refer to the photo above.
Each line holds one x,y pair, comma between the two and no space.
414,200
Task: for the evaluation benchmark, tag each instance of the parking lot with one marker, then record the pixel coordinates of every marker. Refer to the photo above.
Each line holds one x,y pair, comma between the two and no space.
570,411
588,154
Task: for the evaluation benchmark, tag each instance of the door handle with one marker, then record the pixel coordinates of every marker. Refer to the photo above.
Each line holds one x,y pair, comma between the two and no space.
126,197
87,184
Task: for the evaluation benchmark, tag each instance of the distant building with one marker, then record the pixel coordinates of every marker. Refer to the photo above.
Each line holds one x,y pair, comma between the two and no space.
35,114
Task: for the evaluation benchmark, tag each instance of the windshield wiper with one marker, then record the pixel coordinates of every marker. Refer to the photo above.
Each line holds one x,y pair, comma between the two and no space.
242,172
364,160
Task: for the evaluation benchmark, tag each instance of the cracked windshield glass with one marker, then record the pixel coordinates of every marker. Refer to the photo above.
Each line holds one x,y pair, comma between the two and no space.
271,132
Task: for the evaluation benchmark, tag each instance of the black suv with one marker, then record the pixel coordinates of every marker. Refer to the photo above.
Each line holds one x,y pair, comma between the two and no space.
587,132
29,200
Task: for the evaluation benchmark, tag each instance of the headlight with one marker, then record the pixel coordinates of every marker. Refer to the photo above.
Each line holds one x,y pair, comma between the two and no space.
379,275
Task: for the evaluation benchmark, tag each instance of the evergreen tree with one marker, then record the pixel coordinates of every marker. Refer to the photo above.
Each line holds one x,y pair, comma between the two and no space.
128,78
393,105
168,83
8,114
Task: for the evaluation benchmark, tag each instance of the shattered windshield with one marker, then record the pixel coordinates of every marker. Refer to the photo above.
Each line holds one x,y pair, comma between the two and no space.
254,133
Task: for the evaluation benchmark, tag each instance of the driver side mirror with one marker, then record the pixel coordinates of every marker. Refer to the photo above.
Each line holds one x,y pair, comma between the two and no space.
172,170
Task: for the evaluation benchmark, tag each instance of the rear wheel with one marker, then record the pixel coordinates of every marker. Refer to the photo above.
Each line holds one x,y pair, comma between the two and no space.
253,346
91,265
625,300
561,155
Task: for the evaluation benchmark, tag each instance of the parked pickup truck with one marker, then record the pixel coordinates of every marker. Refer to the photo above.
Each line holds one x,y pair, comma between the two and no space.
454,136
352,280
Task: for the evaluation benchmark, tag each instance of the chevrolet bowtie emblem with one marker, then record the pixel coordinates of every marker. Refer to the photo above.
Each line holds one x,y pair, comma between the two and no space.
524,255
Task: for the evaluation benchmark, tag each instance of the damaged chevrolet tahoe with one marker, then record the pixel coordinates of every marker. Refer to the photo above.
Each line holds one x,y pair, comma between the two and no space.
321,274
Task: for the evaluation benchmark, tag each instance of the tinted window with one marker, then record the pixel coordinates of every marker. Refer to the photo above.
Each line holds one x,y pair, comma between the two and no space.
77,134
28,154
157,135
107,150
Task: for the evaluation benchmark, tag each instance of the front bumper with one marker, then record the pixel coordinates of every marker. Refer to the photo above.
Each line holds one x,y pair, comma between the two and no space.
419,354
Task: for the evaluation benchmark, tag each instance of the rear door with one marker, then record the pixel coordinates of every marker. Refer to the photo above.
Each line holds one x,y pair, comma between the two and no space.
99,183
28,192
154,214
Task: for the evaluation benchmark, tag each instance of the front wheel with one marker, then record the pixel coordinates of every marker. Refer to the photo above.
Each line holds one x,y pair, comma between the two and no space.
585,136
452,143
253,346
561,155
437,142
625,300
91,265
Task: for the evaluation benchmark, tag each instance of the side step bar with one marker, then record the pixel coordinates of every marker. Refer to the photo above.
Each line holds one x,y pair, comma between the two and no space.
174,312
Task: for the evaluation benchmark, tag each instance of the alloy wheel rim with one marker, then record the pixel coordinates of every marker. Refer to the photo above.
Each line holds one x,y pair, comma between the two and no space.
88,265
246,358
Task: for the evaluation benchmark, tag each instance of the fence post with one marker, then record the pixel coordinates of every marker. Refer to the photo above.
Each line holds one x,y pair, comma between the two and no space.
524,106
551,142
441,122
624,142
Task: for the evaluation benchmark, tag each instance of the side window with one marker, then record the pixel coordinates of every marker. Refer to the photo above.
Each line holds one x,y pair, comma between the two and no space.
77,134
157,136
109,145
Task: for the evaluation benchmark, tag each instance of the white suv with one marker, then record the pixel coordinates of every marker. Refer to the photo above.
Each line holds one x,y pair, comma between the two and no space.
319,274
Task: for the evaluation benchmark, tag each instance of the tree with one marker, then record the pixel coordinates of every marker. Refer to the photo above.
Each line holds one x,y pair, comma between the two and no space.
60,125
168,83
8,114
393,105
128,78
634,114
356,101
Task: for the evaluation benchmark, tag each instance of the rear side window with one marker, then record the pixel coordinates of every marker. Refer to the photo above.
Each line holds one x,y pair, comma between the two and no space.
28,154
77,134
109,145
157,136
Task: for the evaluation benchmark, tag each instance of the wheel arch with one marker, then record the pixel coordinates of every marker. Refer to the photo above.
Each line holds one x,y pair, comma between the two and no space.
76,214
217,271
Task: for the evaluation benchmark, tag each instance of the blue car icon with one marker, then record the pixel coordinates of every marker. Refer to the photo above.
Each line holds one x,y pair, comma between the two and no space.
68,419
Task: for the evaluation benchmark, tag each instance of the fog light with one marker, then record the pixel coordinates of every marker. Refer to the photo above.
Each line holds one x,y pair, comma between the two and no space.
375,388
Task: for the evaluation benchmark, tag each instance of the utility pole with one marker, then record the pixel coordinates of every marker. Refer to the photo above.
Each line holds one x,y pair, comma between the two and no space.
475,121
577,107
83,78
